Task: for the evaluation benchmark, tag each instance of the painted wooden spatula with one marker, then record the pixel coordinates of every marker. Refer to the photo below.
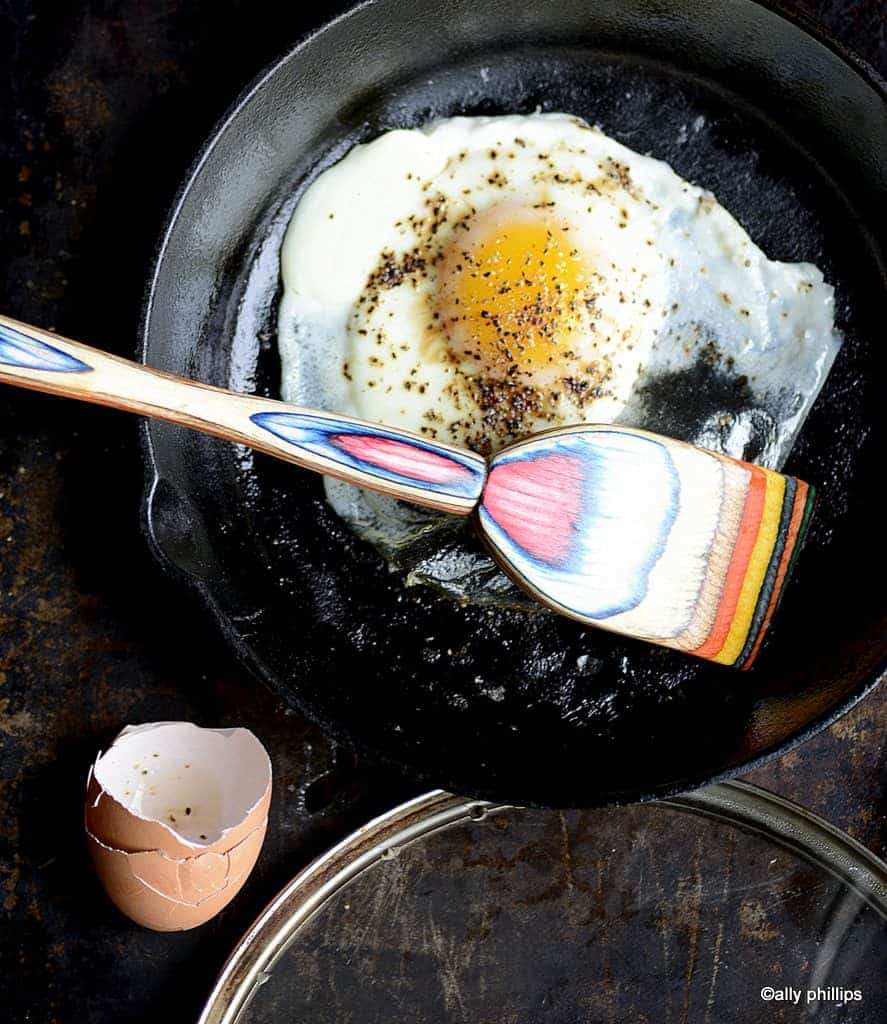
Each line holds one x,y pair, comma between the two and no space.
618,528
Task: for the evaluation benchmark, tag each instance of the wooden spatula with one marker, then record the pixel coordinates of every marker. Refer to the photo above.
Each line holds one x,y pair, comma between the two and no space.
618,528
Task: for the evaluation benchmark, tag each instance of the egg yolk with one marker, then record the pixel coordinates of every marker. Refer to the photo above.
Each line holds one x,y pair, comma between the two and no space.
511,296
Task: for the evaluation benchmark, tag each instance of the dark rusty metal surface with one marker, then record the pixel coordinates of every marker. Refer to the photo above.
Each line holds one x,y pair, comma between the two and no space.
102,107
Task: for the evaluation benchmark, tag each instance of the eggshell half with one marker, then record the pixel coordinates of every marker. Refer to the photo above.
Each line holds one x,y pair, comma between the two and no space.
175,818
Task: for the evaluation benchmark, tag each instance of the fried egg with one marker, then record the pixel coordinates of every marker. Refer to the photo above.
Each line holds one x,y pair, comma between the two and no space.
484,278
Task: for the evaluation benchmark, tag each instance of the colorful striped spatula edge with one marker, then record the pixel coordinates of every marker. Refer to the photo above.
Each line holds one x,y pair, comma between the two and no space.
646,536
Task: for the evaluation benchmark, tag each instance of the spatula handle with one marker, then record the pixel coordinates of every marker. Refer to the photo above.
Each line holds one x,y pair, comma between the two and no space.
398,463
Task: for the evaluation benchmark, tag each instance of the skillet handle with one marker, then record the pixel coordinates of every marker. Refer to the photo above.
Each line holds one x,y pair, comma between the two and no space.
398,463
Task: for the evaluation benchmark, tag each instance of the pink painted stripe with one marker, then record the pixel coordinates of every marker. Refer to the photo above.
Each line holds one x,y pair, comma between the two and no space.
537,503
401,457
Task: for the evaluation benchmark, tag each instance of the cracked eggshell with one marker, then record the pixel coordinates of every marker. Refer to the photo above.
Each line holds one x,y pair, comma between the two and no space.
175,819
173,895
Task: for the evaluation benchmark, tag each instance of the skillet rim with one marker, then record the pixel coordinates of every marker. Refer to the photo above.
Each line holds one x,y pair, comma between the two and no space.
198,588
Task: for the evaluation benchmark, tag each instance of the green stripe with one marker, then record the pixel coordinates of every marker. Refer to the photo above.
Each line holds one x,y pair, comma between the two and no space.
766,591
799,543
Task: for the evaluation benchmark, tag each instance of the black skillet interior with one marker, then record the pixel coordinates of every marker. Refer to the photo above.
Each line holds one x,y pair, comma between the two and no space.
493,703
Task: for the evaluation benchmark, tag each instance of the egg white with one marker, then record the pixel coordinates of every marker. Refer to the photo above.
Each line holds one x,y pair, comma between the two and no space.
676,277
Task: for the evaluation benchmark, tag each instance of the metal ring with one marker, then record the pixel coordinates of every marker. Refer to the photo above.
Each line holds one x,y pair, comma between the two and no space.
739,803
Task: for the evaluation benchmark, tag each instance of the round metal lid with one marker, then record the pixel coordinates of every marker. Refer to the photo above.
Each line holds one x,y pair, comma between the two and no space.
727,904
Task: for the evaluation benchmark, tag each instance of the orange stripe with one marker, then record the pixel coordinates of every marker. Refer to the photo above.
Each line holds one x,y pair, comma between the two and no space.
742,552
794,527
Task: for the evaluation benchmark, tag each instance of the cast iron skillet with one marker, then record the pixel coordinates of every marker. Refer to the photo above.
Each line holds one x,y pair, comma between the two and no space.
790,135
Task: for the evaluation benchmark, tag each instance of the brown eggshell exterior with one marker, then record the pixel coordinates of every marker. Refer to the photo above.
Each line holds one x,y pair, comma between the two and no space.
168,894
112,824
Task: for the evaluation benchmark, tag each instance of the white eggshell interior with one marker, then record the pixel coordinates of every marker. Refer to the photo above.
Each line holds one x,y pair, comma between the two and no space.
199,783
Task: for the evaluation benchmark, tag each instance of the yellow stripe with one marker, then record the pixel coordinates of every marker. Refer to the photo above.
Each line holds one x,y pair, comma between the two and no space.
757,570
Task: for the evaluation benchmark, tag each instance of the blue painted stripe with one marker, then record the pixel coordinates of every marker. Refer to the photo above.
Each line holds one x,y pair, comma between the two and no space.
312,433
18,349
657,548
